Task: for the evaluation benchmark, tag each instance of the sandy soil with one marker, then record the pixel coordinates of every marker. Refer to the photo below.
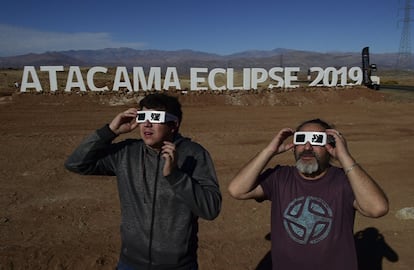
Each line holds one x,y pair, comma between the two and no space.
53,219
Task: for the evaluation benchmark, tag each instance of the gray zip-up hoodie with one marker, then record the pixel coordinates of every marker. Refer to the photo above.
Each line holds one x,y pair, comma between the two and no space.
159,223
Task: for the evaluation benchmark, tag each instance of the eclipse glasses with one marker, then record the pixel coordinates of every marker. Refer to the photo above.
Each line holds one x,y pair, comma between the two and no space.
314,138
155,117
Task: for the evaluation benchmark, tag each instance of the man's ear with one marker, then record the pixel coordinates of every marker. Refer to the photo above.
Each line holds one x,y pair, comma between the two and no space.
174,126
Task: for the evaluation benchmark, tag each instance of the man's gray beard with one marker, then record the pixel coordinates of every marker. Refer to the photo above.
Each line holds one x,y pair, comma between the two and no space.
307,168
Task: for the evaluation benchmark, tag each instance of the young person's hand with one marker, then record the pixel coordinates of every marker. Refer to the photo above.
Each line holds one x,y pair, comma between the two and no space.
170,155
124,122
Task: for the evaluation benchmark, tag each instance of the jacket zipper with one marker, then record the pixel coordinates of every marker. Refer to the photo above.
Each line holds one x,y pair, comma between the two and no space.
153,214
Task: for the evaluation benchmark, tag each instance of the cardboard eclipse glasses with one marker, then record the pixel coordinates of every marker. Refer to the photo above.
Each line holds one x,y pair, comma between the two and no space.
155,117
314,138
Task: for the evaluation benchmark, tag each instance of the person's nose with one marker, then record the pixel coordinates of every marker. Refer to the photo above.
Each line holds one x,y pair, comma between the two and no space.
308,146
147,123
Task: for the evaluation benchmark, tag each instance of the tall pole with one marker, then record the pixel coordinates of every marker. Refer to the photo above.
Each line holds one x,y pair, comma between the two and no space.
404,53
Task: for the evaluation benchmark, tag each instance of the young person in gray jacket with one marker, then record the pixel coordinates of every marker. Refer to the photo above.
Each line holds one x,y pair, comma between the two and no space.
165,183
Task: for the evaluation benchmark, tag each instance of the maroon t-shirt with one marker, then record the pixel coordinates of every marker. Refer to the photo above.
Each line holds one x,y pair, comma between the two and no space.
311,220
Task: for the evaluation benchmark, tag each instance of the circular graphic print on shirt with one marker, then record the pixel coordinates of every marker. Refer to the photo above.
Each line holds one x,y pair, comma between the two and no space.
308,220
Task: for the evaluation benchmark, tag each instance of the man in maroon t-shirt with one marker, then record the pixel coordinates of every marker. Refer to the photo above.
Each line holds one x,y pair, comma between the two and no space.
312,203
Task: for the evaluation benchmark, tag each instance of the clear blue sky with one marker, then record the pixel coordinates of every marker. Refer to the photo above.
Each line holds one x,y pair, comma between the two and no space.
214,26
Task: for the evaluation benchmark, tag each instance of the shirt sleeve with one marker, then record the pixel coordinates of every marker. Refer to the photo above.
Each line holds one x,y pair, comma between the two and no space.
92,155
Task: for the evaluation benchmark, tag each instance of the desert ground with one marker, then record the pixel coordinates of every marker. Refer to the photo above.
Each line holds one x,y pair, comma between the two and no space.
53,219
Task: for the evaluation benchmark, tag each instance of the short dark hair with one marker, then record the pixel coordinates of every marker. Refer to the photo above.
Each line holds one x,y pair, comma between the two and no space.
317,121
164,102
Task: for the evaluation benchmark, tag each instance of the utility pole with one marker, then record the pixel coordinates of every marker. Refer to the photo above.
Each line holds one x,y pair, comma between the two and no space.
404,53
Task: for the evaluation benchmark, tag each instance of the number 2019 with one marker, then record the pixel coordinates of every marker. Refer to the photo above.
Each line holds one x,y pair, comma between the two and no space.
331,76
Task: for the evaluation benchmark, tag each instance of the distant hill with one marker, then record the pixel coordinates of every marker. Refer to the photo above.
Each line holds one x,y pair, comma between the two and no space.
184,59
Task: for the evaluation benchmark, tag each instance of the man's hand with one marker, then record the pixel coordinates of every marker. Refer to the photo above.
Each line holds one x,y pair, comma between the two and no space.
278,145
124,122
170,155
340,151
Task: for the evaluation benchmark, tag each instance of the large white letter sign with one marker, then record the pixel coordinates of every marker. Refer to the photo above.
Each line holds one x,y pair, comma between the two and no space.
212,78
121,72
75,70
289,77
230,80
139,76
259,75
171,79
154,77
273,76
246,78
25,79
90,76
195,80
52,75
200,78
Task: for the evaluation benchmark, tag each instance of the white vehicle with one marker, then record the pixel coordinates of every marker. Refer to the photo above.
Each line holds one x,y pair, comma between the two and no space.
375,82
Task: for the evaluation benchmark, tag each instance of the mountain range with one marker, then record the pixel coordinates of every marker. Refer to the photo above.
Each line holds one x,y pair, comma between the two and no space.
185,59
